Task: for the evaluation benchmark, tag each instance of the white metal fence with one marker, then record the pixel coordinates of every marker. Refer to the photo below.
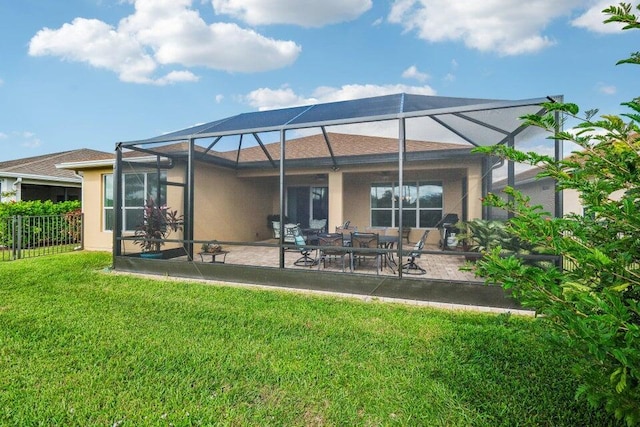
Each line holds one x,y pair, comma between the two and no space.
31,236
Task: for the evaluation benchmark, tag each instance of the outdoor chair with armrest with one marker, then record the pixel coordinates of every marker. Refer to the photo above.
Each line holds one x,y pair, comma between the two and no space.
305,260
364,245
346,229
331,245
318,225
411,267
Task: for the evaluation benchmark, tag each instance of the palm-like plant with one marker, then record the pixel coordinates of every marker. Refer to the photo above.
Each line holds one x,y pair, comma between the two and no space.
481,235
159,222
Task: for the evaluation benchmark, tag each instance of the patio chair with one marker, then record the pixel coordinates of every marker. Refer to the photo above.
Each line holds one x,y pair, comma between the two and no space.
288,232
406,231
305,260
410,267
331,245
364,245
318,225
346,229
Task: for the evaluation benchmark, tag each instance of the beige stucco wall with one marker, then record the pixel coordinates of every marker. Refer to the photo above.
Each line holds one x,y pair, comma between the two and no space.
228,208
233,206
95,238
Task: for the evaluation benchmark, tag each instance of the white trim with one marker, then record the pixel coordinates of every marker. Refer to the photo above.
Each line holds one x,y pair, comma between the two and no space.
45,178
102,163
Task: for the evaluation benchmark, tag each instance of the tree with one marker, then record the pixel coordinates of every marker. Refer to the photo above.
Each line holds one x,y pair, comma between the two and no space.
593,302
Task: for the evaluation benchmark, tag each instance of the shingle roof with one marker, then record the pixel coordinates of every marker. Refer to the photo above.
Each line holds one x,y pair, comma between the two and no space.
314,146
45,165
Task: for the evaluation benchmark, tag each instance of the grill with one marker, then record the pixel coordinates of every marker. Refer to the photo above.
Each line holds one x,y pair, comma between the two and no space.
448,231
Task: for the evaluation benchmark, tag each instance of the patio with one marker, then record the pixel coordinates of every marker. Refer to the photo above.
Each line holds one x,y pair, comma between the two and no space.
438,265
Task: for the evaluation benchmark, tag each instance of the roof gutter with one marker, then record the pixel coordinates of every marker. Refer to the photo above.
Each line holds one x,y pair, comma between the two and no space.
48,178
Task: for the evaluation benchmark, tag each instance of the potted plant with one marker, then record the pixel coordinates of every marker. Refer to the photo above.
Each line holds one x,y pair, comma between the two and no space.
211,248
158,223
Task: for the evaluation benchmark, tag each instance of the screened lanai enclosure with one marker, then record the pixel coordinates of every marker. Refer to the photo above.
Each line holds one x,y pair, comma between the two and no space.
260,197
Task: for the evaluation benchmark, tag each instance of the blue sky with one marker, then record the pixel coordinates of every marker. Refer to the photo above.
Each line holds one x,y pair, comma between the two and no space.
90,73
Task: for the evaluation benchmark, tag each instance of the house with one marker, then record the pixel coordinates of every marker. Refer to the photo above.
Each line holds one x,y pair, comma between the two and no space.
391,162
241,200
541,191
38,178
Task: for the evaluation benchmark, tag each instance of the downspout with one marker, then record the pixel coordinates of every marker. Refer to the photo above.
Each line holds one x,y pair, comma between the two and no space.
17,186
559,149
487,182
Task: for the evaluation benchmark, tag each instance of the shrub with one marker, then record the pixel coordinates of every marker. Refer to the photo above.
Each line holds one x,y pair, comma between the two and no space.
595,305
67,229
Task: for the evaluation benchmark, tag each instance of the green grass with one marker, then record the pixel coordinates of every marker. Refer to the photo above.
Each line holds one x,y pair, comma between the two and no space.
82,346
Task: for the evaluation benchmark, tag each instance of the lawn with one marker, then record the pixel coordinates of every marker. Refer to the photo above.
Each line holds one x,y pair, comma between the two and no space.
80,345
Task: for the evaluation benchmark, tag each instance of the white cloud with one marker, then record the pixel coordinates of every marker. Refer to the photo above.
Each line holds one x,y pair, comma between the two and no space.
21,139
607,89
413,73
502,26
305,13
27,139
266,99
418,128
163,34
31,143
1,82
219,98
593,17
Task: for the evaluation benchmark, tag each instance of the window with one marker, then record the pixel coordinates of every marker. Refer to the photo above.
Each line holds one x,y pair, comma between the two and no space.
136,188
421,204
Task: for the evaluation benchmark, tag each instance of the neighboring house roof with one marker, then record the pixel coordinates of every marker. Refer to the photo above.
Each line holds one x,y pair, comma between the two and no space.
44,167
527,176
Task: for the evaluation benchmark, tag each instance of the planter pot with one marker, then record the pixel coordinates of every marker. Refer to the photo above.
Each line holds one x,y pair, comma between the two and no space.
472,257
151,255
276,229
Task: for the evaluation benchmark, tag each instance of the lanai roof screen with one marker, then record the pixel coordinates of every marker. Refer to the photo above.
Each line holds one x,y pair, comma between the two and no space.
473,120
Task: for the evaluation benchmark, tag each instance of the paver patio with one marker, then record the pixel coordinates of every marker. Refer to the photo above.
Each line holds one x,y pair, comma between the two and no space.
438,265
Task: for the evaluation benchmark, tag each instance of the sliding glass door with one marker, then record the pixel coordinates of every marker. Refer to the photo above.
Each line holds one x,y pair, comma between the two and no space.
306,203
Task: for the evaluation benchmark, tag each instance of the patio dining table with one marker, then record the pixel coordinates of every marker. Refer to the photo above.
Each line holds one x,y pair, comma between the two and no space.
389,242
384,242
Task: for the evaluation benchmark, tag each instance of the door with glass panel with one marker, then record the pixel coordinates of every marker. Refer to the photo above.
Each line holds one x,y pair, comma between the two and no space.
307,203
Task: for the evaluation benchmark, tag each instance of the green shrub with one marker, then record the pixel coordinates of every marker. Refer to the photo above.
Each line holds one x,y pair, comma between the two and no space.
64,229
594,306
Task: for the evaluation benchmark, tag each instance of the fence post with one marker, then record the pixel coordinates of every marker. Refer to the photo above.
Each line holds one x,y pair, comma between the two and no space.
81,219
16,222
13,237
